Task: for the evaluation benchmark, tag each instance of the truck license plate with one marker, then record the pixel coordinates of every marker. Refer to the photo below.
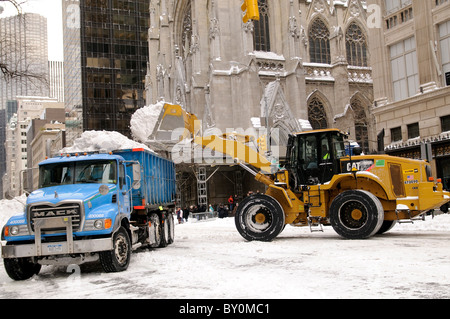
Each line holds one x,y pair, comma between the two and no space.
52,248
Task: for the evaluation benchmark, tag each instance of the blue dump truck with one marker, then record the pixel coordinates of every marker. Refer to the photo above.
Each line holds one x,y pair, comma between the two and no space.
92,207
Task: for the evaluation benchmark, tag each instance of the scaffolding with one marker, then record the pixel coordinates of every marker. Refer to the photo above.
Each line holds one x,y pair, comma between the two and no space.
202,188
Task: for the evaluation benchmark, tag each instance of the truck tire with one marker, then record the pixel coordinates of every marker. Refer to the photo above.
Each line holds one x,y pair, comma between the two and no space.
156,222
164,232
118,259
171,224
356,214
21,268
259,217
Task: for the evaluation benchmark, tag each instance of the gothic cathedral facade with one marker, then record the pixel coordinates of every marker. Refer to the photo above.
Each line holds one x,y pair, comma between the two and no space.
305,64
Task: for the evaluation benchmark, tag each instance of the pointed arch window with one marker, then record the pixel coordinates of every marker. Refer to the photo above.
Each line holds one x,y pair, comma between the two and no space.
186,35
319,42
316,114
261,38
356,44
361,124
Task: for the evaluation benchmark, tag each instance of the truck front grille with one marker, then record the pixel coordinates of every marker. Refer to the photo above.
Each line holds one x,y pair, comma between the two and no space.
49,211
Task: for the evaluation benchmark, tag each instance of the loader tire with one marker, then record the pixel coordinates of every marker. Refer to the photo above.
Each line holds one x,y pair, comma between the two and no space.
118,259
21,268
356,214
259,217
386,226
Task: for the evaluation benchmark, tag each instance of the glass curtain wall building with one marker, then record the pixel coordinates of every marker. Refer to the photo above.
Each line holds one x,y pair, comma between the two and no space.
113,56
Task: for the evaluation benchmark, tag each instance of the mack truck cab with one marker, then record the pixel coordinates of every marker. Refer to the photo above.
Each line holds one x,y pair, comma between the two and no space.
92,207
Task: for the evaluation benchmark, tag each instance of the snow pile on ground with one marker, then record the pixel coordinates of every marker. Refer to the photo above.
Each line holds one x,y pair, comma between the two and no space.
102,141
9,208
143,121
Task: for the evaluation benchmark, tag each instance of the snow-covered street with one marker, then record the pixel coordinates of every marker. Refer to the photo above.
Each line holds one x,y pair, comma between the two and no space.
211,260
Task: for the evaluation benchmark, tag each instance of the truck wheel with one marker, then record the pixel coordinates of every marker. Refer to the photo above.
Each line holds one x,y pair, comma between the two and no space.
117,259
356,214
259,217
171,224
154,219
21,268
164,232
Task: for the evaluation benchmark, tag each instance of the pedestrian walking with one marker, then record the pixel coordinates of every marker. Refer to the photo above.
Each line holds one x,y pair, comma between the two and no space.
231,202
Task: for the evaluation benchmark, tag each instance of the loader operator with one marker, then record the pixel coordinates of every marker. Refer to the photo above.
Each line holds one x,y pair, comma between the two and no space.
325,153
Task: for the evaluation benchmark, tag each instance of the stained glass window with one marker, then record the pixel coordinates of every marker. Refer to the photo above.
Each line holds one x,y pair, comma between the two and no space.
356,44
261,37
316,114
319,42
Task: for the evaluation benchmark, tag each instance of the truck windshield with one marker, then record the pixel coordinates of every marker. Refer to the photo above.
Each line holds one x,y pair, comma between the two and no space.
101,172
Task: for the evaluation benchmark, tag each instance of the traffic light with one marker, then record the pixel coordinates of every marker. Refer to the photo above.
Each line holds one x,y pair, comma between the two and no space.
250,9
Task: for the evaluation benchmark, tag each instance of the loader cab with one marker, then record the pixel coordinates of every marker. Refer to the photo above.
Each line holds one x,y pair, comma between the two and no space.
313,157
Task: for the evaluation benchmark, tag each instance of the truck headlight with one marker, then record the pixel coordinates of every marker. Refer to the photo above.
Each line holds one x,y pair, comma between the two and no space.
14,230
102,223
98,224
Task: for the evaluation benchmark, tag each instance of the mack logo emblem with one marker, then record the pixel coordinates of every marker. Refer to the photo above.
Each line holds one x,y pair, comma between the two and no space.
52,213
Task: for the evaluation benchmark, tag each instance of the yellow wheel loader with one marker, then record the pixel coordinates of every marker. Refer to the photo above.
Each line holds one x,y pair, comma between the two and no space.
323,184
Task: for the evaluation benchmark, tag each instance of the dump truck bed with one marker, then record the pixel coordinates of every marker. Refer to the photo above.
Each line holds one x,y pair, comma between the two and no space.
158,178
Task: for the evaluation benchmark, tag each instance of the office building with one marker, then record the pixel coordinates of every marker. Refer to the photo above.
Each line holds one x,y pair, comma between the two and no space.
411,72
105,55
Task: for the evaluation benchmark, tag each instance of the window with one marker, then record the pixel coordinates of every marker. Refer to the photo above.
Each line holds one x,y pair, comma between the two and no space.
261,37
319,43
394,5
361,124
186,36
444,35
396,134
316,114
100,172
445,123
413,130
356,44
404,68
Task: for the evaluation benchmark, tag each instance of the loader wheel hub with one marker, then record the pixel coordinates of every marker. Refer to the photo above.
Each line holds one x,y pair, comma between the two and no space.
357,214
353,215
260,218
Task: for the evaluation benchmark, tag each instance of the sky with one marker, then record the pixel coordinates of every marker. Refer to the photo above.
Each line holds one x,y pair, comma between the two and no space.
52,10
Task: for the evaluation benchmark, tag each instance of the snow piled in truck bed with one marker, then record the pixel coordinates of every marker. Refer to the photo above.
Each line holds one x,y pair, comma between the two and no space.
102,141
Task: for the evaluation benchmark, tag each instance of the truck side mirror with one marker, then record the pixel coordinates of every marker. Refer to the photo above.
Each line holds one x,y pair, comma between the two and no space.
136,176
